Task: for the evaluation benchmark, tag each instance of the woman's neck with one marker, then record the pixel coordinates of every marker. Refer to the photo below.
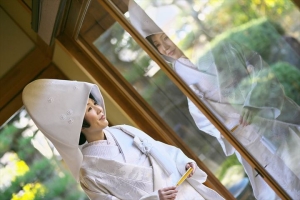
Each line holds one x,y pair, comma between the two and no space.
96,137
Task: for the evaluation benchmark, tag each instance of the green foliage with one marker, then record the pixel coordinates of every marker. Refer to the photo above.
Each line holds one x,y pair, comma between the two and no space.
136,70
187,41
152,93
26,150
40,171
289,77
229,162
231,13
6,138
62,188
35,176
257,35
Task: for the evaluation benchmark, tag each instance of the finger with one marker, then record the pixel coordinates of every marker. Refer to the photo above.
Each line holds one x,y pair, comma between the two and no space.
191,174
250,117
167,196
187,166
193,166
169,192
245,117
168,188
170,197
241,117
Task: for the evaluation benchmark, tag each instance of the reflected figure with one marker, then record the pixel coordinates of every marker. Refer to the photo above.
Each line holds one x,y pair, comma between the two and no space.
240,89
119,162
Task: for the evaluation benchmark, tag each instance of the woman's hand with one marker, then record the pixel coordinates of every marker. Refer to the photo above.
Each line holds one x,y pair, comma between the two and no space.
248,115
168,193
192,165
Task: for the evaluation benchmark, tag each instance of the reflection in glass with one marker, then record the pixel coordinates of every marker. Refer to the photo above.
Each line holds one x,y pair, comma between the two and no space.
30,167
112,41
239,87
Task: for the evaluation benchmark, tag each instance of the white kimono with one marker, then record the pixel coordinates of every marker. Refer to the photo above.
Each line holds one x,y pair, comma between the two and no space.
121,168
268,140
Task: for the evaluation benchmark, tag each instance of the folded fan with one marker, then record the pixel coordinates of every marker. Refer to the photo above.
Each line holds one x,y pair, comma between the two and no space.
185,175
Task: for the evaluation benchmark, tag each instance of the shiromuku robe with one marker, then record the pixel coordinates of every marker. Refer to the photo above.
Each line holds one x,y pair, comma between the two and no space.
117,168
231,82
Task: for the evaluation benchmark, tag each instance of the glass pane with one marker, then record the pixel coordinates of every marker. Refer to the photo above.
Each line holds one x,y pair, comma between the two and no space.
242,60
30,167
108,38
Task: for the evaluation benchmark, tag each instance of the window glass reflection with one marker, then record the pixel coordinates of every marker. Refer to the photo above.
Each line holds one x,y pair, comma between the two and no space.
156,88
235,74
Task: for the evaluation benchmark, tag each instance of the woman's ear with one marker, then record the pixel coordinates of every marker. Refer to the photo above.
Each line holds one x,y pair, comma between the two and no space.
83,129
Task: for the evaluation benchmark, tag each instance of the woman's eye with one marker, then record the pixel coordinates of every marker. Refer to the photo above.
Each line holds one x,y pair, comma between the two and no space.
157,45
95,103
90,108
165,38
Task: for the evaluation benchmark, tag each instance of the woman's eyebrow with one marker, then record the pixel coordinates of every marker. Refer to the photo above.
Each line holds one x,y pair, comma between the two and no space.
161,35
154,41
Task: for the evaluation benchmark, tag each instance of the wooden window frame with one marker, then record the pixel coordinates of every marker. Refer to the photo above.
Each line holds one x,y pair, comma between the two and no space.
110,79
148,120
119,17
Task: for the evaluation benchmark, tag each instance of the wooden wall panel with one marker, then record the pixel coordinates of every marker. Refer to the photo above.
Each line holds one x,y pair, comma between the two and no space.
15,80
15,103
11,108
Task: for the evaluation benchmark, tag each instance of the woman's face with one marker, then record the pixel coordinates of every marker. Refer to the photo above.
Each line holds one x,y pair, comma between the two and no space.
95,116
165,46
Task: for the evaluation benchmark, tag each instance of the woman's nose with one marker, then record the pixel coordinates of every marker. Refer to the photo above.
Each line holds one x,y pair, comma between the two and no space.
99,109
165,46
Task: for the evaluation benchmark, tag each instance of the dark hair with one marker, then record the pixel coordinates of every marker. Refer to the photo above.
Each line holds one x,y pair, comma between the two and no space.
85,124
151,41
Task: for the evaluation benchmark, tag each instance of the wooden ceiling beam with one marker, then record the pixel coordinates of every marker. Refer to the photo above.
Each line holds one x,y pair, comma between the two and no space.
15,103
26,70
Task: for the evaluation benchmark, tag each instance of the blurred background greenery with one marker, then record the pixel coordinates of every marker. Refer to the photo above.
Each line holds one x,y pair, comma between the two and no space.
30,167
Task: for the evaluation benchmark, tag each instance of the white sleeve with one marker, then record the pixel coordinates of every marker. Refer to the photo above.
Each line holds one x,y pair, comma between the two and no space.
176,155
206,126
199,176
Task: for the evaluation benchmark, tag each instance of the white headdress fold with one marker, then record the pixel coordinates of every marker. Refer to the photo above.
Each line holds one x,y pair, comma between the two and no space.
57,107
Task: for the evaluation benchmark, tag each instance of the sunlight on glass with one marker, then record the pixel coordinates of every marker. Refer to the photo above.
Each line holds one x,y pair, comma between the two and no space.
42,145
152,69
201,16
127,55
113,41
